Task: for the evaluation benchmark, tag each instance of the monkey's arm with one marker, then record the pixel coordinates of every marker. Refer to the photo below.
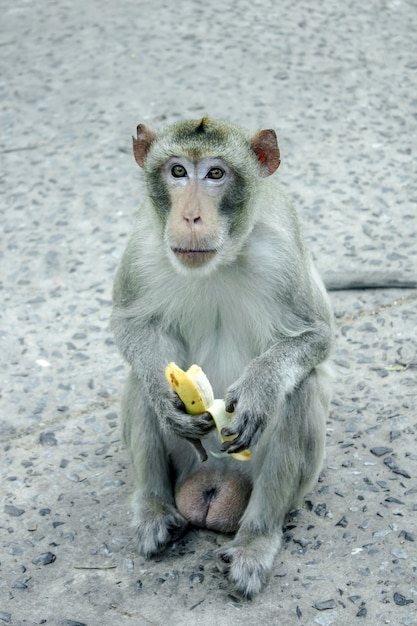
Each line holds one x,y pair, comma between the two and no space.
268,379
148,348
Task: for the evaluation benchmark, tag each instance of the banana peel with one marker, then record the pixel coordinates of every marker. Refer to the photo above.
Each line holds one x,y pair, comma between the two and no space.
195,391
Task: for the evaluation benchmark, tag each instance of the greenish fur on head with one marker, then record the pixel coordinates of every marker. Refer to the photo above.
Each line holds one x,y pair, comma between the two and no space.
200,138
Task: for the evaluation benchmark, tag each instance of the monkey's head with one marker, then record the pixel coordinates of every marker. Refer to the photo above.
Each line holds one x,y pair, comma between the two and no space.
202,177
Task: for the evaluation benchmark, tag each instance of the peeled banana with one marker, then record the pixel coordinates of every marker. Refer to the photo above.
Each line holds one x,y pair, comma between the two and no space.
195,391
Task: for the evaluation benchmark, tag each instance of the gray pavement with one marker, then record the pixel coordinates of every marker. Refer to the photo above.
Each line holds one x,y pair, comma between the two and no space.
338,83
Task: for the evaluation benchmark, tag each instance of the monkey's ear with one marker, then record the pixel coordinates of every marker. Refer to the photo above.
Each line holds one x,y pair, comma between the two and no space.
265,146
141,145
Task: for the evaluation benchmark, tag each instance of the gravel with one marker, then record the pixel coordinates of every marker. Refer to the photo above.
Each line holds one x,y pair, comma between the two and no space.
336,81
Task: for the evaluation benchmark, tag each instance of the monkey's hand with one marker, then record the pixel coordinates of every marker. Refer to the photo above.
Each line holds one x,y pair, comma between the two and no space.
185,425
251,398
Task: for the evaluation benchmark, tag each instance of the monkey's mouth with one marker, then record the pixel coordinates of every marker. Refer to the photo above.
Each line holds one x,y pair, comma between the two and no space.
193,258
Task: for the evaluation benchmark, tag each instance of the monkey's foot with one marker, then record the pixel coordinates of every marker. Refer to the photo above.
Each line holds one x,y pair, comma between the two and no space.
248,564
157,529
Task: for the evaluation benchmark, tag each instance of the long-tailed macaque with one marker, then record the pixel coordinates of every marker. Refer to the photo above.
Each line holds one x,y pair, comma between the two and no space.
216,273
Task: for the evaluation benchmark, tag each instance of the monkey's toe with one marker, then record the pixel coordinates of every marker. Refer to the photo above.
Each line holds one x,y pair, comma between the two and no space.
248,567
153,535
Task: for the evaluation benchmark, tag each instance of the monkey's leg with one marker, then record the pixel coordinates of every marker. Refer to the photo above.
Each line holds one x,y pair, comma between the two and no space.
286,463
156,519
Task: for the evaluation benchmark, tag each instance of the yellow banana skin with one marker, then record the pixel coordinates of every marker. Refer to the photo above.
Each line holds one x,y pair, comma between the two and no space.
196,393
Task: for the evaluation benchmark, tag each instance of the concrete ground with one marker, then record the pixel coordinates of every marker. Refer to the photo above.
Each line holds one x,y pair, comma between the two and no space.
337,80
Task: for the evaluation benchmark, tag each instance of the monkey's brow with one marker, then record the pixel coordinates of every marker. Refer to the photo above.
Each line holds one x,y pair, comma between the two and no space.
198,158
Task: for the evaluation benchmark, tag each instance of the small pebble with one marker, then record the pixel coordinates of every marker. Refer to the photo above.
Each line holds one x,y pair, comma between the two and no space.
394,500
321,510
44,512
365,524
399,553
380,450
197,577
342,522
12,510
394,434
18,584
325,605
5,617
44,559
407,536
74,477
389,462
112,483
48,439
303,542
401,600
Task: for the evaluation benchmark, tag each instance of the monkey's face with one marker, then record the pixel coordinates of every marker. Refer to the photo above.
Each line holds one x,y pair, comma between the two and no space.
202,178
197,226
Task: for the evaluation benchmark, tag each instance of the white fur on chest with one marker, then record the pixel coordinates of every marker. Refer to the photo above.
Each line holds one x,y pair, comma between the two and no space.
223,323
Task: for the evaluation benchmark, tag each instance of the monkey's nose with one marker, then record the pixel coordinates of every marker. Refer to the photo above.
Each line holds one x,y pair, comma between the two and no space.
192,219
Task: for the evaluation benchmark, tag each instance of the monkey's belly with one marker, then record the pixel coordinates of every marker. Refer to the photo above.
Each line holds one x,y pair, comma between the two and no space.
213,499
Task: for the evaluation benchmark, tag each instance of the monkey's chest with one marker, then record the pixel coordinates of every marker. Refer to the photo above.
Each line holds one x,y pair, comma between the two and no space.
223,343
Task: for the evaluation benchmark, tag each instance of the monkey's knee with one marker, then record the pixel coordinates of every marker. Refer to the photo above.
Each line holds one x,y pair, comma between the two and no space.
214,500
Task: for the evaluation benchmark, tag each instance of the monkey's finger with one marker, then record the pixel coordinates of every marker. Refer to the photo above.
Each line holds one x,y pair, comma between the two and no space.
177,402
228,432
230,405
205,421
233,446
199,449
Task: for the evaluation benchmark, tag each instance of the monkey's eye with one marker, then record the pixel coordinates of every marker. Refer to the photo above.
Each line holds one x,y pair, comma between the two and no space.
178,171
216,173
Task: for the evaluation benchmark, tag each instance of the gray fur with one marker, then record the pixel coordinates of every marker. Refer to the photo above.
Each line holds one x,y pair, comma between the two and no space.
259,324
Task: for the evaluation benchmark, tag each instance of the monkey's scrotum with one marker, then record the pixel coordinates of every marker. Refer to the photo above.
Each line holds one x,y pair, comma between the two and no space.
195,391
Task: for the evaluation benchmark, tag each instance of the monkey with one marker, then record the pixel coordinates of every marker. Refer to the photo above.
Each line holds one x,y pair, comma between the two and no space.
217,273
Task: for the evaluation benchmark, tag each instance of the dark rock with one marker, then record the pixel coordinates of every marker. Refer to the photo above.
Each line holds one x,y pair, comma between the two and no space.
44,512
321,509
19,584
407,536
342,522
394,500
389,462
381,450
71,622
302,542
48,439
354,599
5,617
325,605
12,510
197,577
44,559
401,600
